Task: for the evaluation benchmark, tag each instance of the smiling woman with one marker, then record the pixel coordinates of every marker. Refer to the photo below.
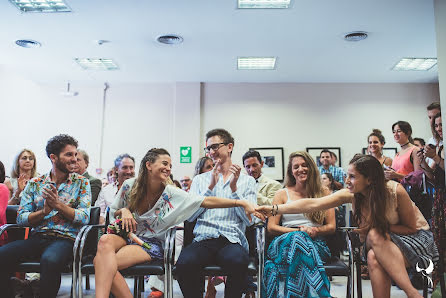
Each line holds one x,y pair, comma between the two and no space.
24,169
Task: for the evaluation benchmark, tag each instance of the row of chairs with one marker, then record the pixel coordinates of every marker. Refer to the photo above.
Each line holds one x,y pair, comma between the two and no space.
85,245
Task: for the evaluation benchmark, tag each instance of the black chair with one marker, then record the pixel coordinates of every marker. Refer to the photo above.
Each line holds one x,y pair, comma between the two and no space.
255,235
15,232
87,251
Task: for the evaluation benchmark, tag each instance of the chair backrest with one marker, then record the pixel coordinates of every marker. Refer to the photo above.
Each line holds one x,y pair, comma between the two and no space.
95,213
11,214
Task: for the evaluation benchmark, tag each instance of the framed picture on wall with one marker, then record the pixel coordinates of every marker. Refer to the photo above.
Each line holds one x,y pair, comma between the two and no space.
388,152
315,152
272,162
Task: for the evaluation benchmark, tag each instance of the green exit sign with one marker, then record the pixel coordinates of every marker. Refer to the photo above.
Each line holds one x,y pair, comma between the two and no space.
186,154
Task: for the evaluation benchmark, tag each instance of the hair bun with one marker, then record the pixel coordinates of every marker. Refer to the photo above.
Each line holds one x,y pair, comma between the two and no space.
377,131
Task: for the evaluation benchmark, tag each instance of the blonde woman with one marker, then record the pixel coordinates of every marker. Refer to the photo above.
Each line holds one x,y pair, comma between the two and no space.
24,169
288,263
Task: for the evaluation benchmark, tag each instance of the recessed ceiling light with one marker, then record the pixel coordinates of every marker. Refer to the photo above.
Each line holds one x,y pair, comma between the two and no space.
41,5
256,63
170,39
415,64
96,63
28,43
355,36
264,3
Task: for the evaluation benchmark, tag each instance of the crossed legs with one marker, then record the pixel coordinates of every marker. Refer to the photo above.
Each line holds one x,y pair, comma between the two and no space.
114,254
386,263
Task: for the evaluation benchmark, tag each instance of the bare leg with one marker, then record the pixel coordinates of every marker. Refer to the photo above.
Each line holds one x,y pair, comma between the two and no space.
105,264
391,260
126,257
378,276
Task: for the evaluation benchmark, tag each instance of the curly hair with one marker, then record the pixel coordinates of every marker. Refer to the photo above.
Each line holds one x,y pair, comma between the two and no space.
57,143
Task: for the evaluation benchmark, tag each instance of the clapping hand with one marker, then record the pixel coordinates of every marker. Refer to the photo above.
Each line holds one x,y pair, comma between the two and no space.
214,175
49,193
235,172
21,181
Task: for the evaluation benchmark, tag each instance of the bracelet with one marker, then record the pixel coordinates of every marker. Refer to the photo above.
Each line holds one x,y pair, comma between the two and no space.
274,212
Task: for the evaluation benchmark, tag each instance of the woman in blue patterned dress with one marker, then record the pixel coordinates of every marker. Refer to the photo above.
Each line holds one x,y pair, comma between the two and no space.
294,262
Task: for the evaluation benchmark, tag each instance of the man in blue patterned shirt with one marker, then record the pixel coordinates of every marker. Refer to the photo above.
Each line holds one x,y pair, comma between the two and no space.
56,205
338,173
219,233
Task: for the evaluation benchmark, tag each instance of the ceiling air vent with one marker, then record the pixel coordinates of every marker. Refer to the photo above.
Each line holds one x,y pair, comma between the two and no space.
355,36
28,43
170,39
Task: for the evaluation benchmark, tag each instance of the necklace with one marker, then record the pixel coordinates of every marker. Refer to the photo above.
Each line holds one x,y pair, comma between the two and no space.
402,146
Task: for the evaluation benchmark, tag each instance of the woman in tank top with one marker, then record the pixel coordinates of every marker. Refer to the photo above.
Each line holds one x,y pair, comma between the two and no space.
299,233
392,242
375,146
406,161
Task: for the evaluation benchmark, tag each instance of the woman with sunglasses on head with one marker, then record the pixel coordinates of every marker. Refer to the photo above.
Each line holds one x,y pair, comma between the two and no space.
24,169
406,161
393,242
148,205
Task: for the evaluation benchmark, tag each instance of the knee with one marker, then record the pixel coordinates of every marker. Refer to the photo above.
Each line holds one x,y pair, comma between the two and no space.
374,238
105,244
51,263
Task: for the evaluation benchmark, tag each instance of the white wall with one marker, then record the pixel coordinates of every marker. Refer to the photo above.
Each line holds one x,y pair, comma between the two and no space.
296,116
141,116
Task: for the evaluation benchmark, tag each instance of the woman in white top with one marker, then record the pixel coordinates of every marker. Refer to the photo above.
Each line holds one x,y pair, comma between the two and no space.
156,207
298,236
393,242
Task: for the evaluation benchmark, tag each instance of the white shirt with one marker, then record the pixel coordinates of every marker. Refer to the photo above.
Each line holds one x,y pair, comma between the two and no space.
106,197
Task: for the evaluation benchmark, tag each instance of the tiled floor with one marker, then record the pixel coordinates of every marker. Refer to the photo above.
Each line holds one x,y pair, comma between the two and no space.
338,288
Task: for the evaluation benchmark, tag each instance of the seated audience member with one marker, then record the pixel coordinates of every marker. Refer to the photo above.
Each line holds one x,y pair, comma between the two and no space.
219,233
419,142
294,259
56,205
266,187
4,195
24,169
326,167
204,164
83,160
406,161
392,242
185,182
125,169
111,176
157,206
328,182
375,147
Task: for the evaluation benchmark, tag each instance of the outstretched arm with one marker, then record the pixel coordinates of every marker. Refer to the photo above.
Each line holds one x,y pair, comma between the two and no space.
309,205
215,202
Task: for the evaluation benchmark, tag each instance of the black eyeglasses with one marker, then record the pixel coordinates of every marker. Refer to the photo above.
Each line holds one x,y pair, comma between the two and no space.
214,147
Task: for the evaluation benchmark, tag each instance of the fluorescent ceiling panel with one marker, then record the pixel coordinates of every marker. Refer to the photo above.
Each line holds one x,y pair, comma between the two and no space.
41,5
251,63
96,63
264,3
415,64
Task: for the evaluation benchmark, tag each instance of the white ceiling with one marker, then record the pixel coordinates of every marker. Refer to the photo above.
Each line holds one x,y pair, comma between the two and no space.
307,39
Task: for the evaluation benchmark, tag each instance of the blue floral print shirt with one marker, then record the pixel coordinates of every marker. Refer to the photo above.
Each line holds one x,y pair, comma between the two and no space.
74,192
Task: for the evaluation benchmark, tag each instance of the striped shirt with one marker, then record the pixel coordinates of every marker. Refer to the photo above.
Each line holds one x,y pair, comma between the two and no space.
227,222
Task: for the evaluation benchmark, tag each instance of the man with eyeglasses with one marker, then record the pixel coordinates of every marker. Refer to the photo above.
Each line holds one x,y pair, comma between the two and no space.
186,182
219,233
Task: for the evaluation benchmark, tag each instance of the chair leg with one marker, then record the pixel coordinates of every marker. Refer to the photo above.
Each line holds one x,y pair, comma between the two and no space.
358,279
135,287
87,282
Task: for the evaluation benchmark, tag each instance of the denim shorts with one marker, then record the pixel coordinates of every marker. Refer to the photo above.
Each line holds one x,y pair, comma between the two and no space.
156,250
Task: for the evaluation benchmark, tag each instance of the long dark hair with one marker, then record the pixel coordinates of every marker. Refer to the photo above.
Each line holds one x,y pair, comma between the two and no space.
436,135
406,128
200,164
139,189
333,186
377,200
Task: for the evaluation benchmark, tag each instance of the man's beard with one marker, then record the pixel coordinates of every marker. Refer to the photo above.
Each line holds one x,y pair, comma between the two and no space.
63,167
